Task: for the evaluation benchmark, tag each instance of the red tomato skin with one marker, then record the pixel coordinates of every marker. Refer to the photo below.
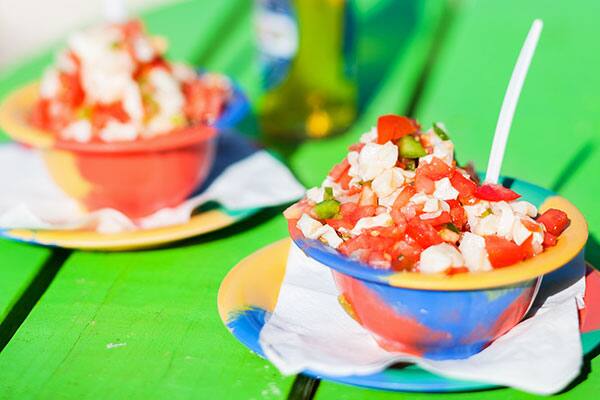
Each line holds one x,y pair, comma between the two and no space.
337,223
502,252
71,92
344,181
404,197
443,218
405,254
398,217
555,221
456,270
339,169
435,170
457,213
203,102
424,184
393,127
549,240
393,232
466,187
423,233
102,113
356,147
527,248
495,192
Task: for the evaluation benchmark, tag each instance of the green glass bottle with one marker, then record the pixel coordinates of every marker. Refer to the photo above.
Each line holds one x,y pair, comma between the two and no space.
308,67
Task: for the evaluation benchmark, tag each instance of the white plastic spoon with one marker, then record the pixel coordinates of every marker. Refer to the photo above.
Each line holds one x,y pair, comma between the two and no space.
510,102
115,11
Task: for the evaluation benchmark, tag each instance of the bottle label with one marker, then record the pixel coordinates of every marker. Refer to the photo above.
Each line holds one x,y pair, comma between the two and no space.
277,31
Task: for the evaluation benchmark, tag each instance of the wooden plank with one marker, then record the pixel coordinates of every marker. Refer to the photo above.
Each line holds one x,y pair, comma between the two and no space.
554,136
142,325
145,324
20,263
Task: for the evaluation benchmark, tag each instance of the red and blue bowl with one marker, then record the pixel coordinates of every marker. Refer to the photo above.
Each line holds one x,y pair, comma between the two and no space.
443,317
137,177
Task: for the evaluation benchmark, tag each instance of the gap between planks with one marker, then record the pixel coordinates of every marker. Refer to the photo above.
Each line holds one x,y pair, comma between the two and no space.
28,299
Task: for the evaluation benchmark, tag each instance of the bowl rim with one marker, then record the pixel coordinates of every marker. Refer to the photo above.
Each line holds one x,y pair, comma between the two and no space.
16,108
570,244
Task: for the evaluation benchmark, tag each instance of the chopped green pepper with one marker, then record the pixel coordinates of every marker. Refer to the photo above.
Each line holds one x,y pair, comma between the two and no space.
453,228
410,164
328,193
410,147
486,213
440,132
327,209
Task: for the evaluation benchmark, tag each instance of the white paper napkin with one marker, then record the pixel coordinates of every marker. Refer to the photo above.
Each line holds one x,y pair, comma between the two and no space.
309,330
30,199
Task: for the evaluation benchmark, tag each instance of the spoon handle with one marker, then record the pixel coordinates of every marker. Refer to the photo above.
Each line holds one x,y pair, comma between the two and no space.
511,99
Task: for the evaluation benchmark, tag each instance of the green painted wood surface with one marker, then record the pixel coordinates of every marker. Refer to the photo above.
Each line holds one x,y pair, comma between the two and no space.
554,139
19,264
145,324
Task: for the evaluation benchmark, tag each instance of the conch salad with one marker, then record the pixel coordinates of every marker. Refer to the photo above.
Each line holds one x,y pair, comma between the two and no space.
112,83
398,200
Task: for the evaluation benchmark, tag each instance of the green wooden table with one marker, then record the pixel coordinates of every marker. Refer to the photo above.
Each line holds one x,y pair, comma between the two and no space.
77,325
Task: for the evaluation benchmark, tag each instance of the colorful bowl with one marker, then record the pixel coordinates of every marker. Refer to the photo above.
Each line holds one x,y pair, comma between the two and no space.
136,178
448,317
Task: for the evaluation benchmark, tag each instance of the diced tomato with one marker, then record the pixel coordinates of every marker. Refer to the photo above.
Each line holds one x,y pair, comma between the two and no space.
527,248
405,254
555,221
392,232
466,187
102,113
204,102
40,115
457,213
51,115
356,147
367,242
443,218
530,225
379,258
424,184
337,223
549,240
495,192
352,212
456,270
347,209
131,28
423,233
339,169
393,127
344,181
398,217
502,252
296,210
434,170
404,197
363,212
71,92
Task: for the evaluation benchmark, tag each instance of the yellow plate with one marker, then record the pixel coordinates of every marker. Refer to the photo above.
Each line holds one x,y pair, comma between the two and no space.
14,114
88,240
